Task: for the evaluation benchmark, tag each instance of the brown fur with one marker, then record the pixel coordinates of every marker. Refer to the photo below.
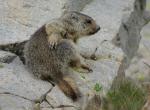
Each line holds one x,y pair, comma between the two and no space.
46,63
75,26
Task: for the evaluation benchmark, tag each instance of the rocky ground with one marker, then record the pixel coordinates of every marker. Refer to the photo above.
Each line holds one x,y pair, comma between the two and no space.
140,65
115,45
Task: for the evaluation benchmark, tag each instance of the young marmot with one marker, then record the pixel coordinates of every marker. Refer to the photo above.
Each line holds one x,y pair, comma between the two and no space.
52,64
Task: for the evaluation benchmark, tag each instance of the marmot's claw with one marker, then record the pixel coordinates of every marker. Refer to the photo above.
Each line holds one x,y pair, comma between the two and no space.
55,45
87,68
52,45
90,70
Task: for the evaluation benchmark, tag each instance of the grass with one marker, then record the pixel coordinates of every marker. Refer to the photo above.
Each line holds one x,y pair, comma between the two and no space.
97,87
125,96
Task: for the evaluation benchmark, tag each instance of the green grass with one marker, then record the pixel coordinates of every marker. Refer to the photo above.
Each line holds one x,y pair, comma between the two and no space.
97,87
126,96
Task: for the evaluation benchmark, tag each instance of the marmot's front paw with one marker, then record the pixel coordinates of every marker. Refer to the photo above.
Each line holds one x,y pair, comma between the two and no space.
84,66
52,42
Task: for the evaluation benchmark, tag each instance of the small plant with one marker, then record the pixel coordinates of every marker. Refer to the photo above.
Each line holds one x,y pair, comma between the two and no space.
141,77
97,87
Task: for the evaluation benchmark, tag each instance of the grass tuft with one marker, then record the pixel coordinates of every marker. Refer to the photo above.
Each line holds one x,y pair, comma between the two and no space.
126,96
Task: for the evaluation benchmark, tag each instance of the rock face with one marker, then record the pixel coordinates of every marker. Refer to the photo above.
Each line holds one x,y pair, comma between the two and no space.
18,88
121,22
6,57
140,65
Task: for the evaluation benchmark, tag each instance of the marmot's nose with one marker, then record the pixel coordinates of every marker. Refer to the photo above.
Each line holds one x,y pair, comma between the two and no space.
98,28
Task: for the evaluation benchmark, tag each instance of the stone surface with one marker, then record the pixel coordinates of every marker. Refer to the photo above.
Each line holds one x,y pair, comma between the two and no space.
15,79
54,99
120,22
6,57
20,18
140,65
130,29
10,102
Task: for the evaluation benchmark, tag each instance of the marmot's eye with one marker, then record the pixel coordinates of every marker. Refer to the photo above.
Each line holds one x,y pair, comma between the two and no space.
88,21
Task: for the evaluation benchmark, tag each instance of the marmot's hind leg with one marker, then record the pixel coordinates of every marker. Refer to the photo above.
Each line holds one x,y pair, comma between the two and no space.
76,63
69,88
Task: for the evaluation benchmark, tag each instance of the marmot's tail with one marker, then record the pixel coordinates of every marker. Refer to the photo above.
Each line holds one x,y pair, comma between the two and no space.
16,48
69,87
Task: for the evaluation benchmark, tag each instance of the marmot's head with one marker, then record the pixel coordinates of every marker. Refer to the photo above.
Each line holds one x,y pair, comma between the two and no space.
79,24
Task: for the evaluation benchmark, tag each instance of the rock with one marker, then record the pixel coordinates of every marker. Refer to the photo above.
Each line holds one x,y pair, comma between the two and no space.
78,5
20,18
121,22
130,29
140,65
16,80
45,106
6,57
54,98
139,68
65,108
10,102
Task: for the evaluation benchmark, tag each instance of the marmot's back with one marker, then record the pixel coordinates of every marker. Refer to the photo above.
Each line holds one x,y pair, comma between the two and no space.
45,61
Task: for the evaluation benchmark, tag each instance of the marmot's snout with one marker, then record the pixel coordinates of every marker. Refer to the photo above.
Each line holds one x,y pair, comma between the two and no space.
95,30
98,28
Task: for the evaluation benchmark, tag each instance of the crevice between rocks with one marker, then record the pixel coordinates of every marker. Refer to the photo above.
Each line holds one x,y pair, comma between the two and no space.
79,5
36,101
8,93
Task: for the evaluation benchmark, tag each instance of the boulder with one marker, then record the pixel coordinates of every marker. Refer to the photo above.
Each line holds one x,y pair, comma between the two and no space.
109,52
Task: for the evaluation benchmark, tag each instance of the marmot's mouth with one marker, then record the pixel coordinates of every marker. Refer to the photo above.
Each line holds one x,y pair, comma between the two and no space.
91,33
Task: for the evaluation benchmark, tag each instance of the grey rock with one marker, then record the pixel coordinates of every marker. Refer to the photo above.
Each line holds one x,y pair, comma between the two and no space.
63,108
120,23
140,65
128,37
45,106
54,98
15,79
77,5
10,102
20,18
6,57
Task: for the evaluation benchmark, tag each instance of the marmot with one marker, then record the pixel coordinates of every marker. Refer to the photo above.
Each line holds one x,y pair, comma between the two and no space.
52,64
